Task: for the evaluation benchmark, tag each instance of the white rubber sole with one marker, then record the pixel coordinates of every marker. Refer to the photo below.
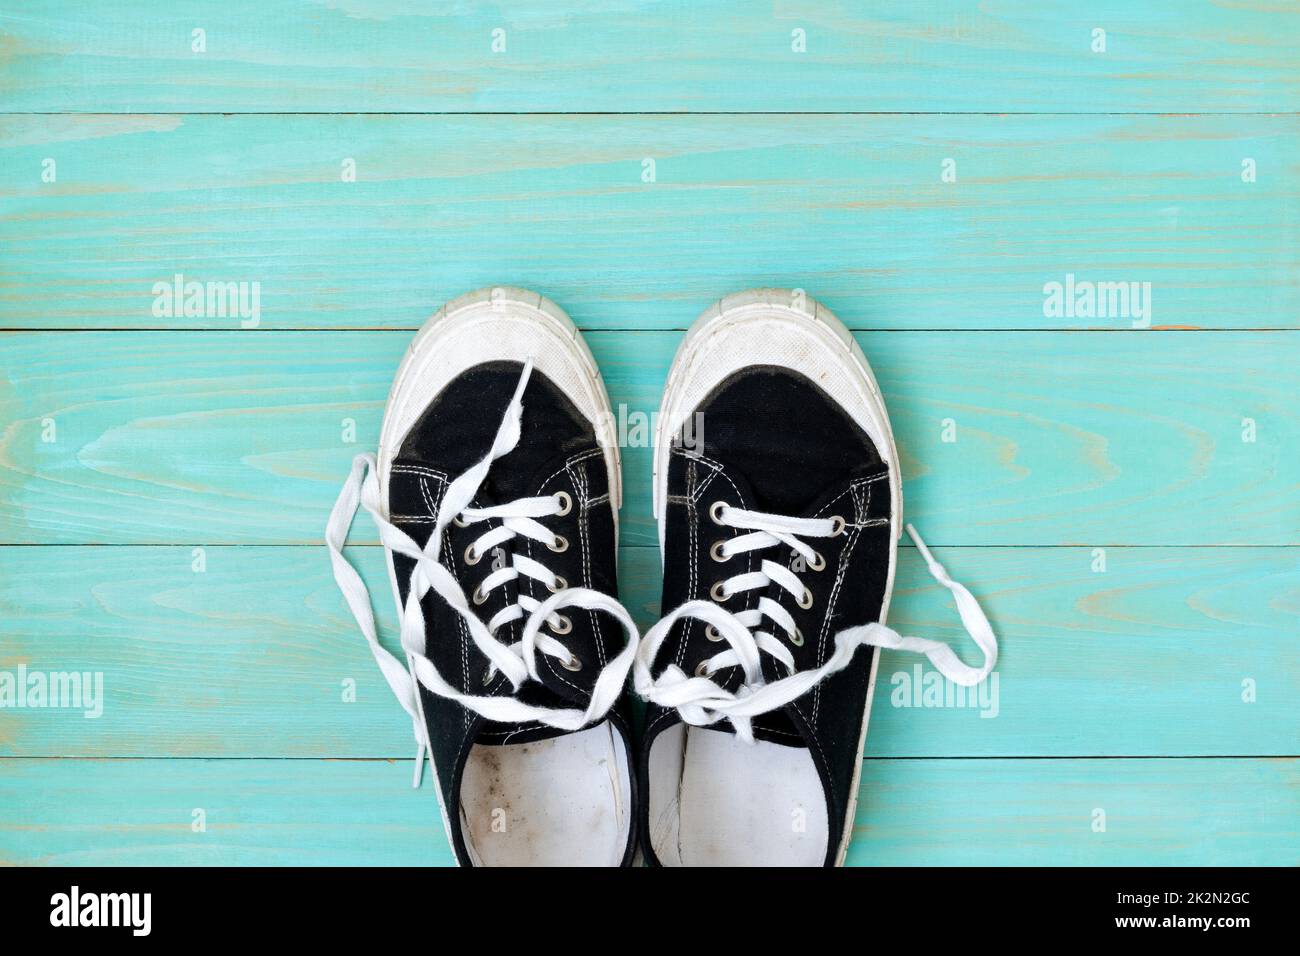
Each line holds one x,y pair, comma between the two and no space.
406,400
822,326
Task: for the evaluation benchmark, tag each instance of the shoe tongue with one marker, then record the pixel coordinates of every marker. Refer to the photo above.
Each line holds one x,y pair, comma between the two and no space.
791,459
522,472
458,427
818,506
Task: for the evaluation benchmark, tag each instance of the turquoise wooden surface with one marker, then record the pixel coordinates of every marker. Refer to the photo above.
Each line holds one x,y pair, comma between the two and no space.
915,812
1163,690
1127,662
1079,438
897,55
852,208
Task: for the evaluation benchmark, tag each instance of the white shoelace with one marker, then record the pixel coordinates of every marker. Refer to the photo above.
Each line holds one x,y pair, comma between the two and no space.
701,701
518,661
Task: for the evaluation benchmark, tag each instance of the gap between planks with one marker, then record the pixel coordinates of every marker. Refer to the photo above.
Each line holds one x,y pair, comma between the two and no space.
668,113
865,757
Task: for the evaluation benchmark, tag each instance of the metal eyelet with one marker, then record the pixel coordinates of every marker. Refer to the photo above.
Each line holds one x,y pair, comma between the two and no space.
819,564
837,526
806,601
479,597
459,522
561,543
715,511
702,669
559,585
716,554
574,663
566,503
797,638
712,633
563,625
471,556
719,592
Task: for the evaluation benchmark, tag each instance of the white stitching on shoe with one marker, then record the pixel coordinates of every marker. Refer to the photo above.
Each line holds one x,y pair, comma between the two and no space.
428,499
419,470
580,500
580,456
751,597
859,512
578,475
691,500
692,524
462,630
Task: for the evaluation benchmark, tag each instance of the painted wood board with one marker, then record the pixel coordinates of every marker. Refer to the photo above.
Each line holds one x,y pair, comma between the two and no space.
899,55
853,209
1083,438
1167,652
1226,812
818,157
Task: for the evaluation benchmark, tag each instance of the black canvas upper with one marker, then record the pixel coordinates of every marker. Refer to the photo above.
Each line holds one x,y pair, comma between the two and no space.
772,441
557,451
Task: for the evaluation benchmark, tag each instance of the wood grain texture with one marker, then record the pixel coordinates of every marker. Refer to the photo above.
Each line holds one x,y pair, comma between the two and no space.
819,170
249,657
1041,813
1082,438
899,55
852,209
959,812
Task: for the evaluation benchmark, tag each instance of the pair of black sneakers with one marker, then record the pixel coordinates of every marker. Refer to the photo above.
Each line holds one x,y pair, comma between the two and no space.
496,490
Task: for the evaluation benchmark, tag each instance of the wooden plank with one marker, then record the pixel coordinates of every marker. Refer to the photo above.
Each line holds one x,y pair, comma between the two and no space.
900,55
249,657
1079,438
1221,812
852,209
1044,813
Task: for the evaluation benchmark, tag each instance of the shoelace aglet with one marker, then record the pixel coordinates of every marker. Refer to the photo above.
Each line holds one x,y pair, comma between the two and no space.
421,751
937,570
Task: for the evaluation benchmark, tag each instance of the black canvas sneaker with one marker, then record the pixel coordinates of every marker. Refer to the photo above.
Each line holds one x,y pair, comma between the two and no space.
777,492
496,493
